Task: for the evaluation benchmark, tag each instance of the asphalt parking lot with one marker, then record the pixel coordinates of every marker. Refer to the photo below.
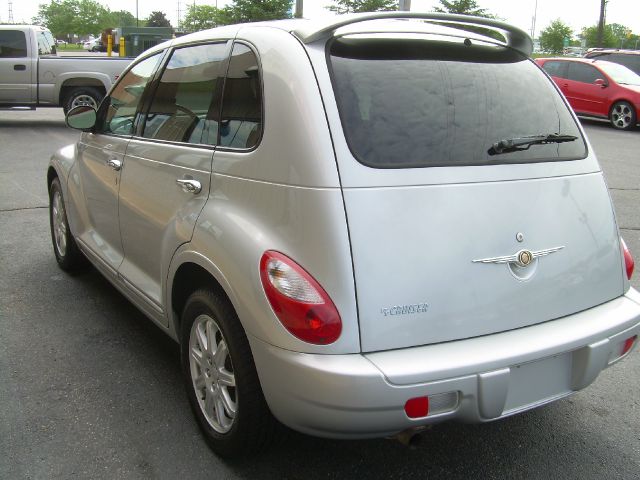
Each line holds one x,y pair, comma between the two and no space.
91,389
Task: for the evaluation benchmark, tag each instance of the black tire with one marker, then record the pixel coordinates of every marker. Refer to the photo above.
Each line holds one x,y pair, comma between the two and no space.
623,116
82,96
68,255
253,427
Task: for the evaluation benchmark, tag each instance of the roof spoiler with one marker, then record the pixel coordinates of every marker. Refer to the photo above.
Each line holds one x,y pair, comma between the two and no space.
516,38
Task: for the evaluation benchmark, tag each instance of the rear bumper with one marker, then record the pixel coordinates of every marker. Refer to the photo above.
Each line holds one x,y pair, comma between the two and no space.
474,380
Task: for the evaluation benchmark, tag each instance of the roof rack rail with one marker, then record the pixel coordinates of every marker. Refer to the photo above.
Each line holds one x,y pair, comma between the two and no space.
516,38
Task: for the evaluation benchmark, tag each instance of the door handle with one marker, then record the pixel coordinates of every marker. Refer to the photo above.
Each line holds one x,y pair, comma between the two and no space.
20,68
190,186
115,163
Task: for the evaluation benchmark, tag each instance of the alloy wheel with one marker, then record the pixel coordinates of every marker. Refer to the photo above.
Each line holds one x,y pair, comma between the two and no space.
212,374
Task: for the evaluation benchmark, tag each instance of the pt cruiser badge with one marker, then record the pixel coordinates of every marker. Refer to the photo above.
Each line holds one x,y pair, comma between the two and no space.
405,309
523,258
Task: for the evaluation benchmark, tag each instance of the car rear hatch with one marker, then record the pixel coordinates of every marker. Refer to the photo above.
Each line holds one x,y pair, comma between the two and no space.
454,234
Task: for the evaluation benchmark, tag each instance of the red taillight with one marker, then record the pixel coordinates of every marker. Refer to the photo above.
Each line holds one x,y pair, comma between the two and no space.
628,259
628,344
299,302
417,407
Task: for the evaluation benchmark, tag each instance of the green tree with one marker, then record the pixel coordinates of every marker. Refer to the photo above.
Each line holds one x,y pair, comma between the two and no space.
81,17
463,7
242,11
121,18
58,17
552,37
158,19
613,36
201,17
357,6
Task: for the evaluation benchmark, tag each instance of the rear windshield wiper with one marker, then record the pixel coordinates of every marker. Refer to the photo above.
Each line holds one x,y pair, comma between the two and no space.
523,143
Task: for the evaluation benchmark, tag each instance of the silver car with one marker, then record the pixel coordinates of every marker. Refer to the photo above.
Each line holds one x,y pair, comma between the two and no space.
354,228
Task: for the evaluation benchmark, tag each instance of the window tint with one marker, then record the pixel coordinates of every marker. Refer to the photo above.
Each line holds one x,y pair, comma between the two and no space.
13,44
580,72
629,61
118,111
556,69
241,124
46,43
186,104
408,103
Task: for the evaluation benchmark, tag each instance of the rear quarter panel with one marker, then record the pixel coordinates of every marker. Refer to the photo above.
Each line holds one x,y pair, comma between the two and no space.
285,195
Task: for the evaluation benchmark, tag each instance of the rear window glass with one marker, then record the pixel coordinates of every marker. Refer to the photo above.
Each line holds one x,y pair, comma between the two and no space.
408,103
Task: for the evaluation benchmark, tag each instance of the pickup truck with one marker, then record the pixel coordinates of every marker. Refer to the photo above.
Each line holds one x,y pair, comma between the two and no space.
33,75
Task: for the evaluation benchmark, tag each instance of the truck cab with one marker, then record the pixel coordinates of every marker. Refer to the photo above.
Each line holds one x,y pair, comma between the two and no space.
20,47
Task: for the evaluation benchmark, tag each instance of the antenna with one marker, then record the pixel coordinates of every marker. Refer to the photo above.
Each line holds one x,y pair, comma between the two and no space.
179,14
10,12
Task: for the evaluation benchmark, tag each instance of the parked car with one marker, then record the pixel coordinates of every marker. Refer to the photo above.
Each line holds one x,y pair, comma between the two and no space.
628,58
32,75
93,45
61,42
357,227
597,88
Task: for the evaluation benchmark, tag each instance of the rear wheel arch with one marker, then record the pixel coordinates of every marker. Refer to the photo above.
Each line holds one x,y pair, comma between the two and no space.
188,278
92,87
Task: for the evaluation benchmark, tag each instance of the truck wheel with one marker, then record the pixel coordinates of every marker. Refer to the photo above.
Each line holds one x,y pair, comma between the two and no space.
89,96
221,378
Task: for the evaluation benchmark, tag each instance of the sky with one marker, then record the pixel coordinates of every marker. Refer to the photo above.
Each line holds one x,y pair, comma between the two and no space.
575,13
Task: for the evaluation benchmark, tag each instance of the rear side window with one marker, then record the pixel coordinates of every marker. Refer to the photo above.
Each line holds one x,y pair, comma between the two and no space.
13,44
579,72
46,43
186,104
555,69
241,120
425,103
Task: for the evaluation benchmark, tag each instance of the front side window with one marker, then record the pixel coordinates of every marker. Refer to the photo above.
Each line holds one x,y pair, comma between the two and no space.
186,104
579,72
13,44
427,102
241,119
620,74
117,113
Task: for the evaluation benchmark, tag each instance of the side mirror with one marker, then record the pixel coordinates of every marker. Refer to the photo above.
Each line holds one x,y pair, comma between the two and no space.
602,83
81,117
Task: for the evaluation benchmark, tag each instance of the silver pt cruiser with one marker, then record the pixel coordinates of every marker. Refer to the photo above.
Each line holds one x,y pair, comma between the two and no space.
353,228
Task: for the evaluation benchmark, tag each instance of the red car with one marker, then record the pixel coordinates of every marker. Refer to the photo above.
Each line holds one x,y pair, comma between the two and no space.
597,88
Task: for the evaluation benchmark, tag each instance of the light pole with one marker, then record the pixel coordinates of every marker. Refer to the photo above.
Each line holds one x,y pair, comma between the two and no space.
404,5
533,21
299,8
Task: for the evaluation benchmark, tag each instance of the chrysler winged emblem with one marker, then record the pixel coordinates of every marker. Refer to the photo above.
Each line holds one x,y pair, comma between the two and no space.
522,258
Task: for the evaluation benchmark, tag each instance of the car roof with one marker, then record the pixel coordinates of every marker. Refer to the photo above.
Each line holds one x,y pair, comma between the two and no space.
309,31
597,51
